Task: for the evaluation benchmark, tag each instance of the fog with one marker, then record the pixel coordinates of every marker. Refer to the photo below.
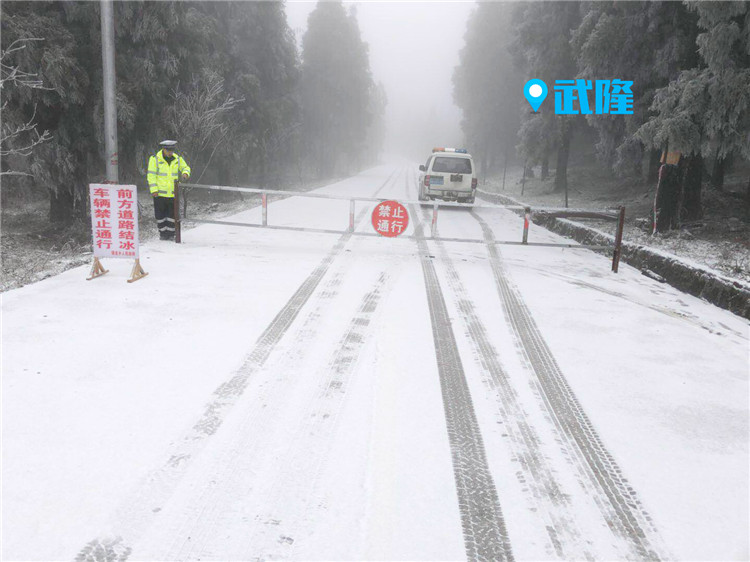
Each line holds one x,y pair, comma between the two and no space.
414,47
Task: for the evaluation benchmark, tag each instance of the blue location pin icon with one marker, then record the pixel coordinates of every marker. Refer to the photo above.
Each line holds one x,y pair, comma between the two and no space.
535,92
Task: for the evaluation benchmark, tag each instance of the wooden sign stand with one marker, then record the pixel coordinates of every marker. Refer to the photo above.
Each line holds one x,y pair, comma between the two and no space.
137,272
97,270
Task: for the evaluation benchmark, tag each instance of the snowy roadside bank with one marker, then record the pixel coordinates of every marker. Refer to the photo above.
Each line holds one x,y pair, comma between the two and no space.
697,280
33,249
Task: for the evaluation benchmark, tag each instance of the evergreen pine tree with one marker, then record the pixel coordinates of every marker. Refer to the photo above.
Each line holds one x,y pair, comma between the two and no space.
336,90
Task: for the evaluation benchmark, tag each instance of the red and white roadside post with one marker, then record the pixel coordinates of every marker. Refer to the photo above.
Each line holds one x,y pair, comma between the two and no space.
526,220
390,218
114,226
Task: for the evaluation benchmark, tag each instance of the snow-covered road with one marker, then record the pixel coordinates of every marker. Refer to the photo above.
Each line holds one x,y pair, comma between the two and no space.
268,394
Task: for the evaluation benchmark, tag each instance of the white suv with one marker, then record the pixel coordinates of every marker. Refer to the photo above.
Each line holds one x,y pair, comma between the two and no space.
449,174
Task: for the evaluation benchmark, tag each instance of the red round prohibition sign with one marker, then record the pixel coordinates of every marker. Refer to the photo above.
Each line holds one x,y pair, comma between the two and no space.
390,218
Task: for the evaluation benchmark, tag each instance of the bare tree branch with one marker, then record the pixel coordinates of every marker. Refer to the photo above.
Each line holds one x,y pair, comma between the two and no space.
13,74
10,133
200,116
211,157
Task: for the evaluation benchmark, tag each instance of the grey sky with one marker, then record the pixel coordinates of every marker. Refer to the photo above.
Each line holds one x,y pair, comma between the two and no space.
414,47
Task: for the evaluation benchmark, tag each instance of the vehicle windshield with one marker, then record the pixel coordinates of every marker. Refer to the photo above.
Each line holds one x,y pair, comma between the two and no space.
449,165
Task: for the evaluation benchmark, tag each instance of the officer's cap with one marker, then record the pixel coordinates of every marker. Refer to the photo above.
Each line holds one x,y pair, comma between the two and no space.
168,144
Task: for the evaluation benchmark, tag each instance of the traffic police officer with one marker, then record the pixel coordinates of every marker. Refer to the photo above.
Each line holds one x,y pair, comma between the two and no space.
164,168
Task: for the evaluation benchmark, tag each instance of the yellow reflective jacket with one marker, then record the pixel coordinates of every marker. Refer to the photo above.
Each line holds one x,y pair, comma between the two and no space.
161,174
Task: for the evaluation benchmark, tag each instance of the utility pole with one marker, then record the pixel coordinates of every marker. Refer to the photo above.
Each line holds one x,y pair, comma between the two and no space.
108,75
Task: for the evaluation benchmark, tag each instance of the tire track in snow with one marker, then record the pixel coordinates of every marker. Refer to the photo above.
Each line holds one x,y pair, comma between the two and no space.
543,491
211,485
139,512
485,536
292,498
226,393
222,513
623,511
231,490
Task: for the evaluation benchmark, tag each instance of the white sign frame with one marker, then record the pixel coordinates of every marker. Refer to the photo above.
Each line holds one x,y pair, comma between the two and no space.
114,220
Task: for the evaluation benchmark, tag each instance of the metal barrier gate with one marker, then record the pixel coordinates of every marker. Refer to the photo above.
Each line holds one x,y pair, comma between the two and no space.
618,216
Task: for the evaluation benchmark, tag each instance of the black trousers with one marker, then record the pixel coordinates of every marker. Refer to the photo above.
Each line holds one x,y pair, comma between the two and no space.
164,213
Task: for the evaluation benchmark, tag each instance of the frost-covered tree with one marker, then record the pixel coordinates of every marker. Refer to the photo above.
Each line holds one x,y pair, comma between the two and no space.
542,47
69,63
486,83
706,110
160,48
376,131
58,107
725,48
202,113
336,89
648,43
19,135
255,53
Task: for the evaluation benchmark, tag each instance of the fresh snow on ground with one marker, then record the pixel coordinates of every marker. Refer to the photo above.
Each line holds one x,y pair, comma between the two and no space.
271,394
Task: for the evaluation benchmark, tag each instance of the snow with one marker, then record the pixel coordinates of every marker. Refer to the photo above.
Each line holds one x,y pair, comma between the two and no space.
337,447
668,392
723,258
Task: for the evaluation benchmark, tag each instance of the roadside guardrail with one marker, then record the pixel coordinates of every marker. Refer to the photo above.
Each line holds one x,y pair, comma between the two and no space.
615,215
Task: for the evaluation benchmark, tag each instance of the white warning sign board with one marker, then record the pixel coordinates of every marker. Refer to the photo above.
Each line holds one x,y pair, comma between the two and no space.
114,220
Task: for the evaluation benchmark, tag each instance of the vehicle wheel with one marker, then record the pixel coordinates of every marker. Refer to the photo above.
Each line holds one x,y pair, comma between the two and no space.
422,196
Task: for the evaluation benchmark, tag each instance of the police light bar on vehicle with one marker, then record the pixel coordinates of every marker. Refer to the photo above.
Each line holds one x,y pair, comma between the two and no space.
441,149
